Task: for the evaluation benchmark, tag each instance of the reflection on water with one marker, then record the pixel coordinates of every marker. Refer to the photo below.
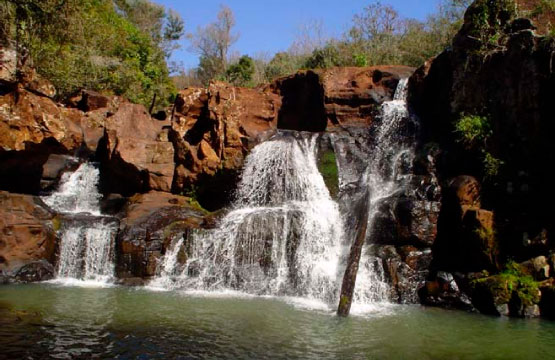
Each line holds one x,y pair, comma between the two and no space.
80,322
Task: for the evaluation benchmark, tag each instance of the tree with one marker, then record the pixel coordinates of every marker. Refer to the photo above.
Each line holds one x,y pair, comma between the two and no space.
283,63
213,42
165,28
325,57
174,30
91,44
240,73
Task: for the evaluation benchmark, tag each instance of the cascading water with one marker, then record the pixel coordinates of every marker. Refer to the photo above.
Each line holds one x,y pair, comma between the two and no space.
390,157
86,247
284,234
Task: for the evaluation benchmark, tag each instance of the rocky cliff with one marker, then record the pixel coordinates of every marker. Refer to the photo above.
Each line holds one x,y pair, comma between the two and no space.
486,108
195,149
471,227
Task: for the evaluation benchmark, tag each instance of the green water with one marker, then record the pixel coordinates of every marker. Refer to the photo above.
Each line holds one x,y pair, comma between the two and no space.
77,322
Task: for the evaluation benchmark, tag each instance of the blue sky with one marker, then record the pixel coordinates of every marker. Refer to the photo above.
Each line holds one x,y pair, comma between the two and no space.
271,25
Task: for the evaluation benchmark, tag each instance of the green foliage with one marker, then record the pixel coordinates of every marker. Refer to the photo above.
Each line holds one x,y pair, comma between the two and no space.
327,165
324,58
56,223
92,44
473,130
512,279
360,60
492,165
485,234
240,74
283,63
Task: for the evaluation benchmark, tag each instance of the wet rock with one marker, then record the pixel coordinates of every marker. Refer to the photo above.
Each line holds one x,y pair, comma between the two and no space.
54,167
150,221
444,292
404,280
133,282
112,204
36,271
537,267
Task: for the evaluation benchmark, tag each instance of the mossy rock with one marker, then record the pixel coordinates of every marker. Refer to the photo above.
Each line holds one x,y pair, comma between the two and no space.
56,223
327,165
512,287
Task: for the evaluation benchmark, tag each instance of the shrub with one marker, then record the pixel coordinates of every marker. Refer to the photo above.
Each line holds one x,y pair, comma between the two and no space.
240,74
324,58
492,165
473,130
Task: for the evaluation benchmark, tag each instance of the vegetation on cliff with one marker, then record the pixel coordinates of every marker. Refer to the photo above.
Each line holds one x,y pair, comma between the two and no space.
118,47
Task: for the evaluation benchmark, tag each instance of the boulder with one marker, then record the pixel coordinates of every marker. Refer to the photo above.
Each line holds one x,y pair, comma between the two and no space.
31,128
35,271
8,65
405,271
538,267
91,100
444,291
135,153
27,236
150,222
512,295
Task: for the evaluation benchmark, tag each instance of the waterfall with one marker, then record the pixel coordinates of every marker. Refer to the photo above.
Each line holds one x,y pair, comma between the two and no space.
86,237
283,235
77,192
391,156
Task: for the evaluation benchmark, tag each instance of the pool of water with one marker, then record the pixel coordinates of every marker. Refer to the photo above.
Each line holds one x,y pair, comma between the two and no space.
87,322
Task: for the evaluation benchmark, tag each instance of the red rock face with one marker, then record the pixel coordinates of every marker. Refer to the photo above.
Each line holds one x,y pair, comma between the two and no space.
212,131
317,100
26,232
135,152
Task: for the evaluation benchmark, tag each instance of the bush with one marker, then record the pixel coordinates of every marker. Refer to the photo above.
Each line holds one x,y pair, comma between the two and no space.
240,74
492,165
324,58
473,130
